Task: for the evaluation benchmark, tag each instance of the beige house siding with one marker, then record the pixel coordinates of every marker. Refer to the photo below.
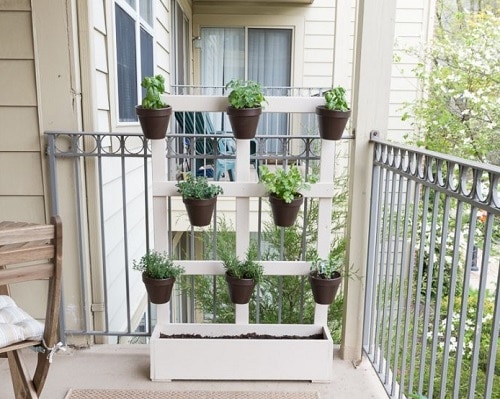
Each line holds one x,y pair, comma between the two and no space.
21,176
319,20
414,20
102,115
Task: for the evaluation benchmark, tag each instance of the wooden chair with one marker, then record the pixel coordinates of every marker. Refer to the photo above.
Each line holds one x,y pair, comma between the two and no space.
30,252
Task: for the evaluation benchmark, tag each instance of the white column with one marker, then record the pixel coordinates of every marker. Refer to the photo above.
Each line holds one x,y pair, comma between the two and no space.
371,86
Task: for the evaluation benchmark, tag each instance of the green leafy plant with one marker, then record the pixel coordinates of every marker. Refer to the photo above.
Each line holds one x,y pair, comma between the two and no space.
284,183
335,99
248,268
198,188
417,396
245,94
157,265
155,86
459,73
325,268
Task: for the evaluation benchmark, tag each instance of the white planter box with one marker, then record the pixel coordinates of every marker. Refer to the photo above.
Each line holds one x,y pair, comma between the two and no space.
241,359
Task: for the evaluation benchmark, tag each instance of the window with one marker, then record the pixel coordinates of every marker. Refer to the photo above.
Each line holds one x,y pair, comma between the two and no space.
134,53
181,38
259,54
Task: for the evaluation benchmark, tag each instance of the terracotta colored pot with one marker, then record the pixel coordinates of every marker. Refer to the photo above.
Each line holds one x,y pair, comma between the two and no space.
284,215
159,290
244,121
324,290
200,211
154,122
331,124
240,290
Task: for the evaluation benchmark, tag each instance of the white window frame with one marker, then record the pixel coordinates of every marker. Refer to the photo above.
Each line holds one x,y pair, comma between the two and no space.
139,23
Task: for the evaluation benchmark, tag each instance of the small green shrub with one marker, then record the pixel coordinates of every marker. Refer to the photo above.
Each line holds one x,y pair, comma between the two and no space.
198,188
155,86
157,265
247,268
284,184
335,99
245,94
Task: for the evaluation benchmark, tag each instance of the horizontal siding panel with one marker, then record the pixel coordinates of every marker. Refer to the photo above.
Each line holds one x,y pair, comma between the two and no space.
99,16
21,173
404,83
410,4
319,42
100,56
23,209
320,28
317,81
15,5
395,123
407,59
19,129
318,55
319,69
17,80
406,15
103,121
400,97
16,25
323,3
320,14
102,91
408,29
162,57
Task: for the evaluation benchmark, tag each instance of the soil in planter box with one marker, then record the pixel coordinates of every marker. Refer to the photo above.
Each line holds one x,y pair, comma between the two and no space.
242,336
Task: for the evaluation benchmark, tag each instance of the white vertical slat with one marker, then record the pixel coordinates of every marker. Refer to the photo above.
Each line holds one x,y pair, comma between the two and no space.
326,174
160,213
242,216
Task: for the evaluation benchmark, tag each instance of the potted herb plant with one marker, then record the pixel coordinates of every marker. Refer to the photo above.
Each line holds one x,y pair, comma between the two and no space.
333,116
245,106
199,197
325,275
158,274
242,276
153,113
284,186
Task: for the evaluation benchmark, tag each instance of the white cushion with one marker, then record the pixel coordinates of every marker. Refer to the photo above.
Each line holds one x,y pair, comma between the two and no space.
15,324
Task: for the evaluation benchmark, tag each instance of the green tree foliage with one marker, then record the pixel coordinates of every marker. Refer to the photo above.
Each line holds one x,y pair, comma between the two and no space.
459,113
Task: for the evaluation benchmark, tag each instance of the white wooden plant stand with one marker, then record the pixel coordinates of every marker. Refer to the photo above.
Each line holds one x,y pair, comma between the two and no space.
241,359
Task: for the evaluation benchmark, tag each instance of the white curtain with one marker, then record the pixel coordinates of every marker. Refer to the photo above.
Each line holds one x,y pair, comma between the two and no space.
268,61
222,59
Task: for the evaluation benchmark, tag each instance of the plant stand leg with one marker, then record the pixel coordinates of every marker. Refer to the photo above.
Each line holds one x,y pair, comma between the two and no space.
321,315
242,314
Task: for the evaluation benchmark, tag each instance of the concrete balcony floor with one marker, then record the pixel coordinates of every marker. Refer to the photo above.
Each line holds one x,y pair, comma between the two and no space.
127,367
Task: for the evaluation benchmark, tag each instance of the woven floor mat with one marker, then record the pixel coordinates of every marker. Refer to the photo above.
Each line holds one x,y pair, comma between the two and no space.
145,394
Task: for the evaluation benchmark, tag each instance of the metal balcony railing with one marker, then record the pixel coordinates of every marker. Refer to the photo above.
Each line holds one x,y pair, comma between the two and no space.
104,182
432,313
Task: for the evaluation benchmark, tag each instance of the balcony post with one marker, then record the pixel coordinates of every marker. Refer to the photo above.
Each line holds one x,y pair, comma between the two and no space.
370,105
